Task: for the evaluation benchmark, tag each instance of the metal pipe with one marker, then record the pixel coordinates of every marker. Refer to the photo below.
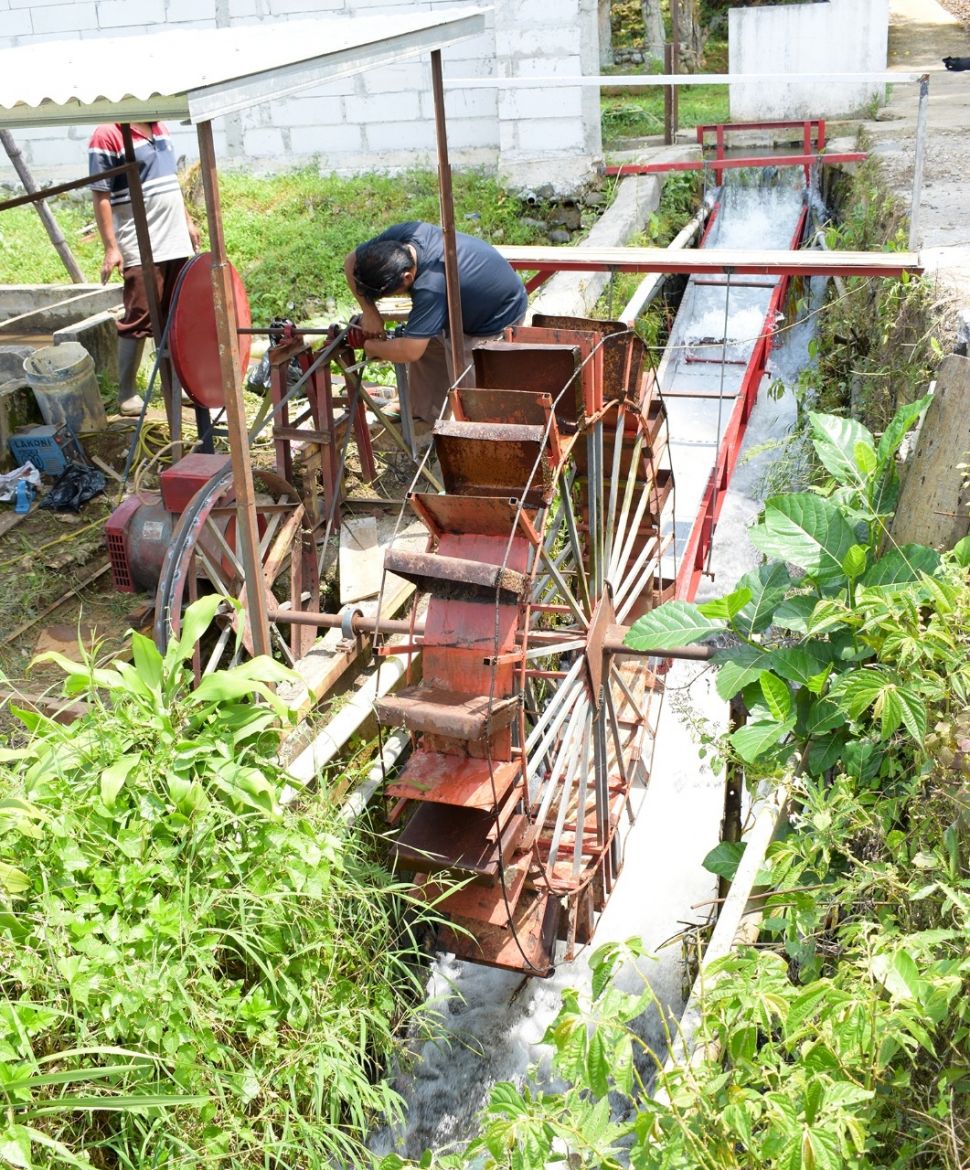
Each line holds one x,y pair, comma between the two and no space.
613,642
921,119
51,226
352,808
61,188
455,327
668,98
674,66
240,455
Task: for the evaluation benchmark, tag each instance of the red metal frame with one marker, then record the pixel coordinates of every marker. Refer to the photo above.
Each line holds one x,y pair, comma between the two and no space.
691,567
813,143
805,159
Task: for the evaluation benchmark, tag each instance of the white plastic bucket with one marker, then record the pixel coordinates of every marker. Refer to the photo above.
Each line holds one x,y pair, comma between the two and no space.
64,384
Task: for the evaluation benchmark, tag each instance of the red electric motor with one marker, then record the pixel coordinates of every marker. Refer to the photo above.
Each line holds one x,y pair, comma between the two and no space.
140,530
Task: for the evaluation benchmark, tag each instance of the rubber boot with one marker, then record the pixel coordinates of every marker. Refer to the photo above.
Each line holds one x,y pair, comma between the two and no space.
130,350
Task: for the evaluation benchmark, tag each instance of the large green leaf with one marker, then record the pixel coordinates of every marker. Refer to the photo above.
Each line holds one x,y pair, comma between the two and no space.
114,776
893,703
739,666
824,753
195,621
961,550
794,613
807,530
799,664
777,695
675,623
844,447
912,712
824,715
148,661
900,423
856,692
724,859
768,585
724,608
901,566
754,739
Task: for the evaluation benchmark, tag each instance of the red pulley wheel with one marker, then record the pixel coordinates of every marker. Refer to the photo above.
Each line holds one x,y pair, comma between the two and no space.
192,338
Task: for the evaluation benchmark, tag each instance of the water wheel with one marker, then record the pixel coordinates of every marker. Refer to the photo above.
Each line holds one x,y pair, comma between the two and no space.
529,732
203,558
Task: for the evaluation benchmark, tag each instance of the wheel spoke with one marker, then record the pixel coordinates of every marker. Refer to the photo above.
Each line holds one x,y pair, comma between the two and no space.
567,748
615,474
214,658
212,530
573,769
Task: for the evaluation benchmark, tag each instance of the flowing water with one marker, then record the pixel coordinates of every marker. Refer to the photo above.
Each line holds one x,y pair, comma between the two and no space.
492,1022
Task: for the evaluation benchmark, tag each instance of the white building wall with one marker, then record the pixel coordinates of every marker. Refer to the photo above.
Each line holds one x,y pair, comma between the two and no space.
382,120
835,36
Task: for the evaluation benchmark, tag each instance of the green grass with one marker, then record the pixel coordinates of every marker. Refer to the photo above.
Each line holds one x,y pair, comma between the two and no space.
640,113
26,254
287,235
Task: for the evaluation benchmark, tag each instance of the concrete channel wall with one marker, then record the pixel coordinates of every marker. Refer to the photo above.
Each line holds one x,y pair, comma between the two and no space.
834,36
382,120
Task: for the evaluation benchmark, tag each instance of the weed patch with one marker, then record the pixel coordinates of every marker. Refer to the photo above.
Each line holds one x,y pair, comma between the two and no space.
189,973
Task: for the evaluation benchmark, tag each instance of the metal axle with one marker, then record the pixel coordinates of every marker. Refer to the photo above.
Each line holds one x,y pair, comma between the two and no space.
613,641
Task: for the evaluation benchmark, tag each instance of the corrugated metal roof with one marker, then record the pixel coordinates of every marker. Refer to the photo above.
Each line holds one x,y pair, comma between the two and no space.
203,73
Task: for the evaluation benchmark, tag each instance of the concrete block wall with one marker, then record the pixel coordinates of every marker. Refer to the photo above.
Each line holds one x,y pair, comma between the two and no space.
835,36
380,120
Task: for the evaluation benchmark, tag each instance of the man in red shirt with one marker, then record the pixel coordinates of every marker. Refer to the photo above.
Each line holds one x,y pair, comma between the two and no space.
174,237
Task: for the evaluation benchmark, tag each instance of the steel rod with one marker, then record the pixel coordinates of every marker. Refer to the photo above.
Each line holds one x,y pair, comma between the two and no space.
920,160
49,192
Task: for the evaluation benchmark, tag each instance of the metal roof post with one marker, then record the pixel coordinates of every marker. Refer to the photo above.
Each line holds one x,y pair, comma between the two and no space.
447,204
242,473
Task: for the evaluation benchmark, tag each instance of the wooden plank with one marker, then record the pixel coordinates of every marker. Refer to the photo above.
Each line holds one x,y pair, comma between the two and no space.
708,260
361,559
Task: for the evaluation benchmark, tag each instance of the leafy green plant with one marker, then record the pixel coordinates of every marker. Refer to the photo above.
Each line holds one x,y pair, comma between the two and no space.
831,657
217,977
878,341
843,1041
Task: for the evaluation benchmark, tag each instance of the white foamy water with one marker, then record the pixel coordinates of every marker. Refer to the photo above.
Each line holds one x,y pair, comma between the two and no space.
494,1021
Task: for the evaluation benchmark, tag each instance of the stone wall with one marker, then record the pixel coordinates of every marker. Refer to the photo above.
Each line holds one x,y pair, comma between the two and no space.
835,36
378,120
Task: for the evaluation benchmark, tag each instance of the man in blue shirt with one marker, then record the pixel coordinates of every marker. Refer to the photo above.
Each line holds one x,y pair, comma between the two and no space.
409,259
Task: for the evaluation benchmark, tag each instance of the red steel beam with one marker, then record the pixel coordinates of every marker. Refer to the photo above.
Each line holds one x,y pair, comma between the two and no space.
759,160
692,565
777,124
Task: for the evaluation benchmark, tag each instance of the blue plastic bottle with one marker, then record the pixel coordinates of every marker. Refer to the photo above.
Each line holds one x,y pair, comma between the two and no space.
23,497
